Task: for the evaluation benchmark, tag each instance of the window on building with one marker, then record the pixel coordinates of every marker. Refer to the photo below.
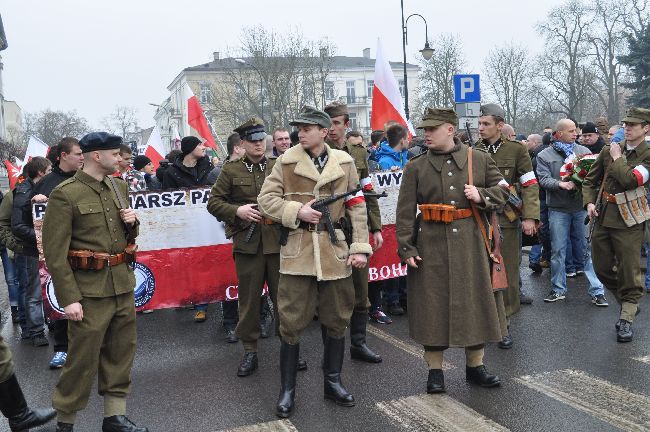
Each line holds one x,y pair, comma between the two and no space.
350,91
354,124
371,85
401,87
205,93
329,90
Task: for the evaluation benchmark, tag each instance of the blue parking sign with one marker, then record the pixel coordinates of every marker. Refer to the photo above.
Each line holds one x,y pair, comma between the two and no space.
467,88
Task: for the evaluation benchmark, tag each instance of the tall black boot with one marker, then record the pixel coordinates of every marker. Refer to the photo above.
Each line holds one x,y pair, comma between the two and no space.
358,348
333,363
289,355
14,407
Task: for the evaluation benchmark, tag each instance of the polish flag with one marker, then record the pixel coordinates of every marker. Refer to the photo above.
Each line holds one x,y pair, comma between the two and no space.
386,99
13,172
155,149
35,147
196,118
176,142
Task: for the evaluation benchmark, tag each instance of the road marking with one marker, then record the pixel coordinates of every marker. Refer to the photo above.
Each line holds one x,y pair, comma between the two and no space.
595,396
274,426
404,346
437,413
644,359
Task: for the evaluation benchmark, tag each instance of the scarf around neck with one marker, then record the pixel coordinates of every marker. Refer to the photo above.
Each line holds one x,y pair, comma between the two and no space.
565,148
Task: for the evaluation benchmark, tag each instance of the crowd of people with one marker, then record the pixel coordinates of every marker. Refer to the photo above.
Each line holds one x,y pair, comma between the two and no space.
270,182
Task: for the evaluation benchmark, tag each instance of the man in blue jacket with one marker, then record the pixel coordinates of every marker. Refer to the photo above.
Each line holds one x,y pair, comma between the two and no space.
393,155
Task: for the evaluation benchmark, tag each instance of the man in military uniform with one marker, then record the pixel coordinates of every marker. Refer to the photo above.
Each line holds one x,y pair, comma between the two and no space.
359,350
255,238
514,162
315,272
458,308
615,245
88,241
12,401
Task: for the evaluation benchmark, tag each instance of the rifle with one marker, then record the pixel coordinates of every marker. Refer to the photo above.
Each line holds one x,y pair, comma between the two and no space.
375,195
322,205
469,134
599,206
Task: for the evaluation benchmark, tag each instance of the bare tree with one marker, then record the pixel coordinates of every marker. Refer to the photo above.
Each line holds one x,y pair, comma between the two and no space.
11,149
123,122
436,78
509,78
272,75
50,126
563,65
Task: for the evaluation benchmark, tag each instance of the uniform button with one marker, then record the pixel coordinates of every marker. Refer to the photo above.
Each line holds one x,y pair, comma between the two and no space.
455,230
110,219
449,161
107,209
451,187
450,173
115,240
452,202
487,198
105,199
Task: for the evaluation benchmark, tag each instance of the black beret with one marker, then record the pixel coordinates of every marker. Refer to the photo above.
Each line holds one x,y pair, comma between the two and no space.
99,141
140,162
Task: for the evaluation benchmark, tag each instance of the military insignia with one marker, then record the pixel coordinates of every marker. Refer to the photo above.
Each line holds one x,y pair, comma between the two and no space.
145,284
506,172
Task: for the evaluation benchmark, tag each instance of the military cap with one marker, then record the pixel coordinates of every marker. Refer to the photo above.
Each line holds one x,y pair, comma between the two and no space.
434,117
311,116
336,109
252,130
493,110
99,141
602,124
637,115
589,127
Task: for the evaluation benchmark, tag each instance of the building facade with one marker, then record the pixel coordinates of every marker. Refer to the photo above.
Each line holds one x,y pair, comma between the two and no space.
255,92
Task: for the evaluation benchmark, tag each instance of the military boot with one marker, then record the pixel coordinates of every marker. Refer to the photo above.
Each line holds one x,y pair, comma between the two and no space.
332,365
289,355
358,348
248,364
14,407
480,376
436,381
120,423
624,332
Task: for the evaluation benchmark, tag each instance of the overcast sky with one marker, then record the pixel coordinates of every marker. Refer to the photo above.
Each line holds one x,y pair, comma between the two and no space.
91,55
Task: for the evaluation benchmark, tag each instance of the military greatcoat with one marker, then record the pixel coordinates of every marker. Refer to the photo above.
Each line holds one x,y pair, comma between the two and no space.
450,301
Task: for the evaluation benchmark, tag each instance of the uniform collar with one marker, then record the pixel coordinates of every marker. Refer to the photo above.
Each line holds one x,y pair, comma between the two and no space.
92,182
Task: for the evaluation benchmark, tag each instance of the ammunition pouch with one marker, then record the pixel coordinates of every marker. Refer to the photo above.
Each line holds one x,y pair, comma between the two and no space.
443,213
96,261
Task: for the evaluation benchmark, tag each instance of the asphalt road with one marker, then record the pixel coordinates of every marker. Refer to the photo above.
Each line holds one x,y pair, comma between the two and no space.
566,372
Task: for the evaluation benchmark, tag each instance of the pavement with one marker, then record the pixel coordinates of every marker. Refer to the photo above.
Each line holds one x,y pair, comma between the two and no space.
566,372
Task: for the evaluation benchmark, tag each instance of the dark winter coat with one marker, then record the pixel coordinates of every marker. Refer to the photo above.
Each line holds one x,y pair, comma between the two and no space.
178,175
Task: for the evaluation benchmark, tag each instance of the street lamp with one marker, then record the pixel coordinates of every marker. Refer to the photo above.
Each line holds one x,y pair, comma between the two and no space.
427,51
242,61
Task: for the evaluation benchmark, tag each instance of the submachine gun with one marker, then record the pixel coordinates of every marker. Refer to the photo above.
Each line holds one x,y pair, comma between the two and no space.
322,205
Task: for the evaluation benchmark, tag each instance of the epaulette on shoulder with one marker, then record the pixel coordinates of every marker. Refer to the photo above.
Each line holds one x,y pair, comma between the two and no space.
481,149
415,157
272,157
67,181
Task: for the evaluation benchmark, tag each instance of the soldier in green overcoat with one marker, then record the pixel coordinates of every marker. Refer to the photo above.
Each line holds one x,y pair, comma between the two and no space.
615,245
450,299
88,240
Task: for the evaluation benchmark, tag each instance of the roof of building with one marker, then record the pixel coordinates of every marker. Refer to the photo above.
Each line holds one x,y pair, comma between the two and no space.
338,63
3,38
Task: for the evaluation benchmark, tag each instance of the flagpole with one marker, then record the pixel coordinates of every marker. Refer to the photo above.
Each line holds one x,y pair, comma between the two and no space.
406,89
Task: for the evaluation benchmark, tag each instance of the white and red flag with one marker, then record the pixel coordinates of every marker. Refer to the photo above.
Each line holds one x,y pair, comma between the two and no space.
196,118
176,141
155,149
35,147
386,99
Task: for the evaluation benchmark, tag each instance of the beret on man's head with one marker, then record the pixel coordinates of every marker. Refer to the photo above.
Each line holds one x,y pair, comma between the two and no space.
99,141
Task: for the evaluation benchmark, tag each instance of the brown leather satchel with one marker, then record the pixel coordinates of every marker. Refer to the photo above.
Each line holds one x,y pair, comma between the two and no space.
498,268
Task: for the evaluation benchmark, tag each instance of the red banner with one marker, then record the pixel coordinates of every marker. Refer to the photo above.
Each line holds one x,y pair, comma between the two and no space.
184,257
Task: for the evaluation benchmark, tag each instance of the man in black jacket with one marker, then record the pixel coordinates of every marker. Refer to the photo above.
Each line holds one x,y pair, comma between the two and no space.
190,169
22,227
66,158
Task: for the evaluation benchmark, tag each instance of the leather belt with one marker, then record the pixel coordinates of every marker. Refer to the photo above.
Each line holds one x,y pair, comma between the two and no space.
318,227
443,213
89,260
609,197
266,221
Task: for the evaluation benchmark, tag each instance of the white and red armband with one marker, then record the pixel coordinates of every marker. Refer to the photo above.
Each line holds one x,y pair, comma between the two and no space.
355,199
642,175
528,179
366,184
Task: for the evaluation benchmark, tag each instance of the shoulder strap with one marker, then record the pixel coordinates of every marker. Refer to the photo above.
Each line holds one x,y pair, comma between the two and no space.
479,221
123,204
